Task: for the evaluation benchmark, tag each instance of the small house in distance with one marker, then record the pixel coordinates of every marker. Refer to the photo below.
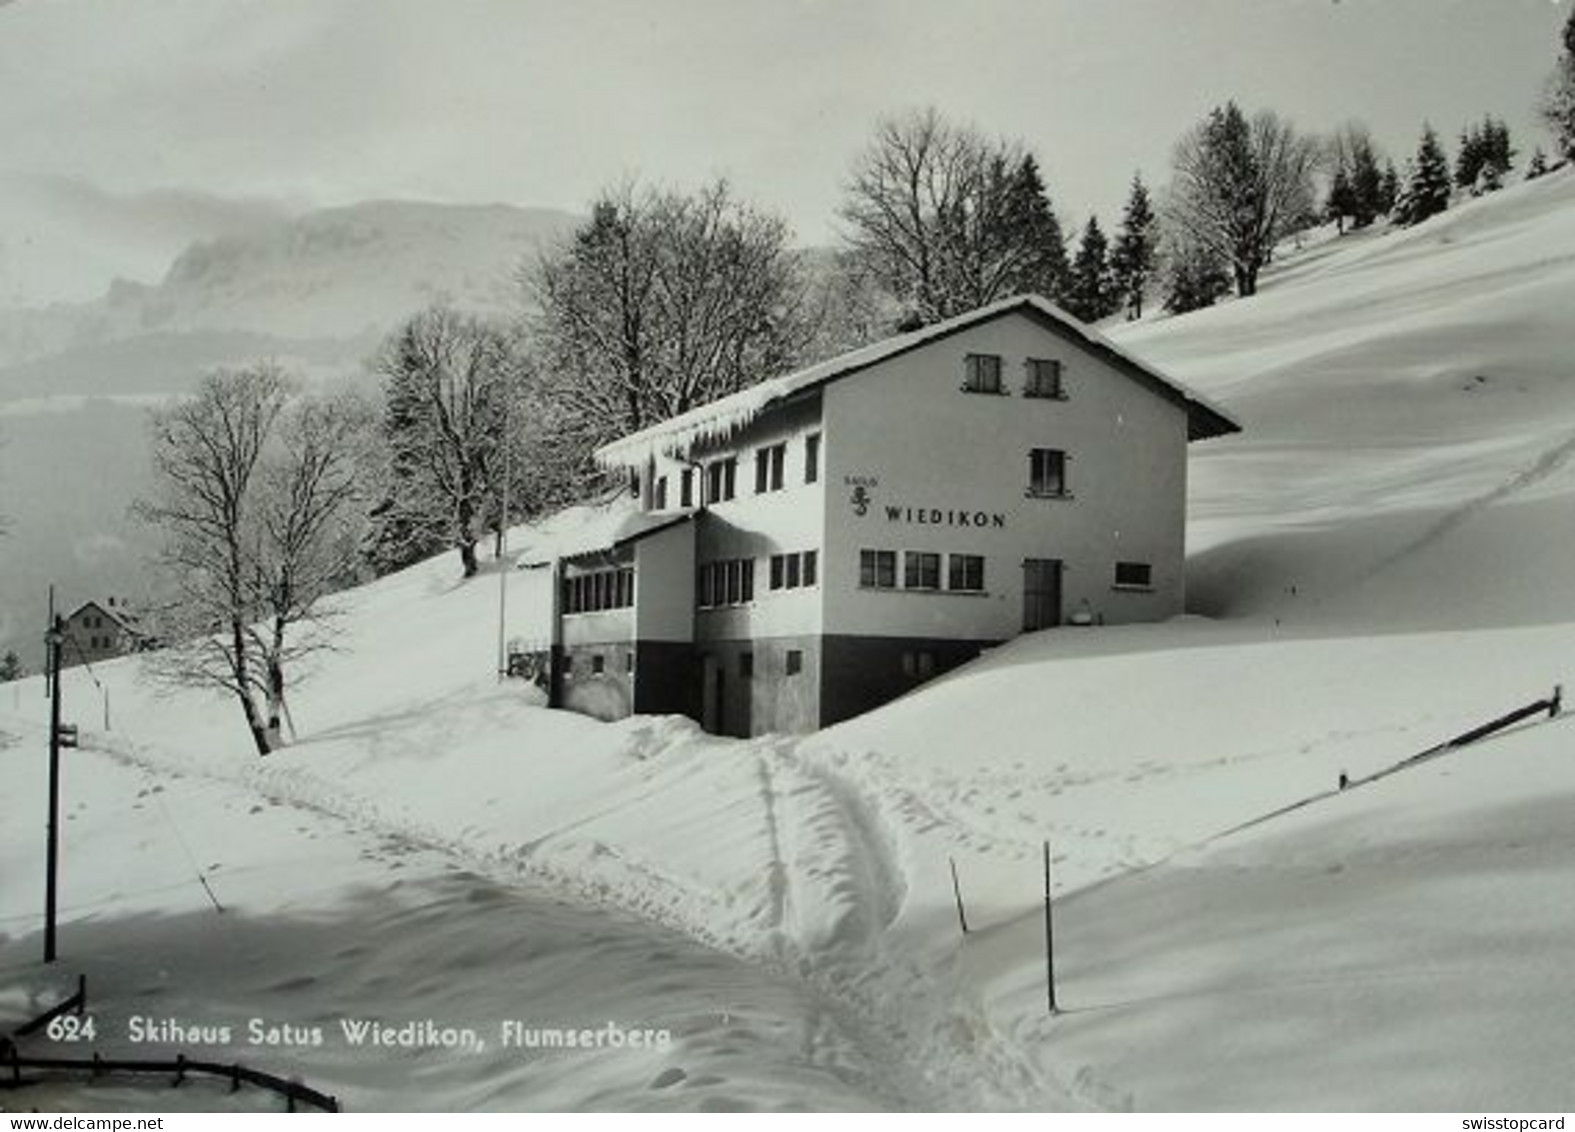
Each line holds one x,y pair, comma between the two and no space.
96,632
820,543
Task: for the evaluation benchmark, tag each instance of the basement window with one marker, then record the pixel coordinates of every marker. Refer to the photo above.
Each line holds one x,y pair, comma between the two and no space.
1134,576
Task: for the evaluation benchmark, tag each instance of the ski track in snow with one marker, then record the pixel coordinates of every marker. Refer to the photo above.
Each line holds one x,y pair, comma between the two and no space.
626,883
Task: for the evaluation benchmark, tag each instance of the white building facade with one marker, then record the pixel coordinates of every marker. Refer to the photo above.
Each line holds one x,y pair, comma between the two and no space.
815,546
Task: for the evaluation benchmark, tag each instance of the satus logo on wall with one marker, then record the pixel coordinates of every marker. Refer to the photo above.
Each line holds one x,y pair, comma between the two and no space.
862,498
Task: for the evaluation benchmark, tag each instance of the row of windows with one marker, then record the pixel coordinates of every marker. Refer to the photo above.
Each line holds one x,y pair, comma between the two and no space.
1041,376
921,570
603,589
729,582
790,571
719,479
732,581
792,663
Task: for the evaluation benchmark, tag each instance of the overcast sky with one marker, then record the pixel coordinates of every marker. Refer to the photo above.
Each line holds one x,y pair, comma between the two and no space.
130,128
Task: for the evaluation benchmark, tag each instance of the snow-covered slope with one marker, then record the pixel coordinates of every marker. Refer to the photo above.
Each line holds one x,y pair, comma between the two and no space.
1379,578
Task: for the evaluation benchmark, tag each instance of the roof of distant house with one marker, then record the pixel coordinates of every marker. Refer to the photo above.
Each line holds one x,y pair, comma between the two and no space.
717,420
120,615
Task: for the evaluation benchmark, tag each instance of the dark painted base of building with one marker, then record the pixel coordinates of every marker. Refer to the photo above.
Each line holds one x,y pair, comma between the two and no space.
862,673
752,687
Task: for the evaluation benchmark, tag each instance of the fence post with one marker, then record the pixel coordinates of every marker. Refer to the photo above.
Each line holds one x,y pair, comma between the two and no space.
1556,704
962,917
1049,939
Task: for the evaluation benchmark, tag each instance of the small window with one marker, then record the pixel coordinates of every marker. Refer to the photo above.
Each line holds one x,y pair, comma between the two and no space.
686,488
746,664
1046,472
777,571
794,564
660,497
921,570
721,480
811,566
878,569
1043,379
769,463
982,373
795,661
812,458
919,665
1134,575
965,572
628,662
598,664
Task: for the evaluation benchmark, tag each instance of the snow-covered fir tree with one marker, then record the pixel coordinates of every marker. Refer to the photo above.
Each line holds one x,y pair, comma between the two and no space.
1090,295
1426,191
1132,261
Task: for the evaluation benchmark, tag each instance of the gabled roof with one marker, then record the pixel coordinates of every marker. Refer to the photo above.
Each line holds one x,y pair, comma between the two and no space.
125,620
719,419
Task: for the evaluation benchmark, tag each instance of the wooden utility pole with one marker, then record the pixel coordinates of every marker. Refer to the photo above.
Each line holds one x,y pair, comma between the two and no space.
962,916
503,541
55,643
1049,939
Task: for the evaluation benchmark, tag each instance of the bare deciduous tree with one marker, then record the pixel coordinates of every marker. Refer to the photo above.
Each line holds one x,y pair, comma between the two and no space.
949,220
663,301
1238,187
449,380
257,508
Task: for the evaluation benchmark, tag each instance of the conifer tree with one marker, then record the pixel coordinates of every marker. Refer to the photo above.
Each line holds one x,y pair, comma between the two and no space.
1388,189
1132,262
1538,165
1427,189
1089,297
1341,202
1194,276
1037,232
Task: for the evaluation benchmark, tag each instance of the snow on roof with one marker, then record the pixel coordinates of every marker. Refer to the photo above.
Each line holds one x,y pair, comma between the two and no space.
586,530
120,615
720,419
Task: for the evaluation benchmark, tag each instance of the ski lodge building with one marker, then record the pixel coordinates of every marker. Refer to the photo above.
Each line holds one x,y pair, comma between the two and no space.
818,544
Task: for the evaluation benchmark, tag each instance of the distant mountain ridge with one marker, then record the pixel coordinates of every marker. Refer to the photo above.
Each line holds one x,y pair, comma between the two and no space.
339,274
316,293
